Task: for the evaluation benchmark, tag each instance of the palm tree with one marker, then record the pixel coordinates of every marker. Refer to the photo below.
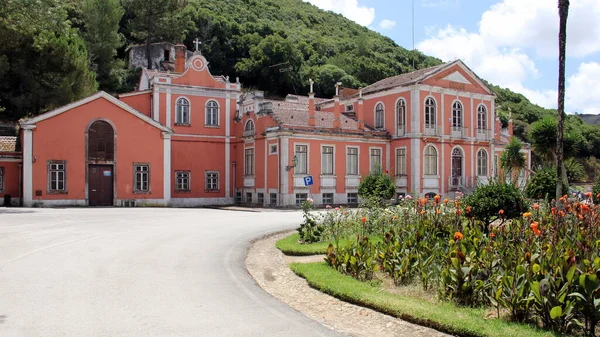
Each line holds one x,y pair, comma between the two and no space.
563,12
513,160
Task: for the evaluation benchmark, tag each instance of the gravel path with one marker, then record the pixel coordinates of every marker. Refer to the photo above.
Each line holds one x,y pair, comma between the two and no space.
269,267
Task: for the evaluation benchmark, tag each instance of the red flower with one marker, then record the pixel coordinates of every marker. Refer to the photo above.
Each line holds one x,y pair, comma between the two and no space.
364,219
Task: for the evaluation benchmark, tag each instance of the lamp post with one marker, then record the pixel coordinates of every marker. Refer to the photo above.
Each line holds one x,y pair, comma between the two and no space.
294,161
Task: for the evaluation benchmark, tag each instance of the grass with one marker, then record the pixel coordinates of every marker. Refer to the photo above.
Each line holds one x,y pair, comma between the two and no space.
445,317
290,245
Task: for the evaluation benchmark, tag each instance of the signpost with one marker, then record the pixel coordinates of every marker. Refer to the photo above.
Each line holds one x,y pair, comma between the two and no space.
308,181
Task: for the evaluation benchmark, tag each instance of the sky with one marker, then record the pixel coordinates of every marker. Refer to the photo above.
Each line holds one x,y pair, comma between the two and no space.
510,43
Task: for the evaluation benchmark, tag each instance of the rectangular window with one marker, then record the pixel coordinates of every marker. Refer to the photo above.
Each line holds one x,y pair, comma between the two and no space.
352,161
212,181
249,162
1,179
327,160
375,159
353,198
182,180
401,162
261,198
57,176
302,154
273,149
273,199
327,198
248,197
141,177
238,197
300,198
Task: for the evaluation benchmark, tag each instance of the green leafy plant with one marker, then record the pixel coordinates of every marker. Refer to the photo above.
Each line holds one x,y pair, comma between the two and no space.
488,200
378,184
542,185
310,230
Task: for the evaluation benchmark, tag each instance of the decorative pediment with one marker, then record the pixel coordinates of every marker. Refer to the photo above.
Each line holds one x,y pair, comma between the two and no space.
457,77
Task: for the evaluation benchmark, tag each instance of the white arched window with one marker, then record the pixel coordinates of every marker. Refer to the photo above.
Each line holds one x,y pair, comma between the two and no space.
430,161
482,163
182,115
481,118
401,116
430,111
249,128
212,114
379,116
457,116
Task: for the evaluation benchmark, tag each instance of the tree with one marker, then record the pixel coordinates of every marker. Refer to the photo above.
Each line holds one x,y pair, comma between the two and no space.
377,185
563,12
512,160
156,20
101,20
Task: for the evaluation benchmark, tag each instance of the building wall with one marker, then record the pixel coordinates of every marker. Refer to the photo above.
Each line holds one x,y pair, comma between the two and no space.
11,168
141,102
63,137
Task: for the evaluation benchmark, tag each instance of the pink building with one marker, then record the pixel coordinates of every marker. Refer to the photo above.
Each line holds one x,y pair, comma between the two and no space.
187,138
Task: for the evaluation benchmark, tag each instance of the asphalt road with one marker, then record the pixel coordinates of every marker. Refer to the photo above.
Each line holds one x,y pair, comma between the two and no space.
138,272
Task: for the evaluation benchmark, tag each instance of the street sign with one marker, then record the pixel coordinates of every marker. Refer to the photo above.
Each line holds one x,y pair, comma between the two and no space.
308,181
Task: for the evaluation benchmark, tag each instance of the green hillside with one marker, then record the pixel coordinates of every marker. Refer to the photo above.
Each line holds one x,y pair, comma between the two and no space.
272,45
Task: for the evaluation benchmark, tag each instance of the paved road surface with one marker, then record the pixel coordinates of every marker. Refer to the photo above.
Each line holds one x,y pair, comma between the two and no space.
138,272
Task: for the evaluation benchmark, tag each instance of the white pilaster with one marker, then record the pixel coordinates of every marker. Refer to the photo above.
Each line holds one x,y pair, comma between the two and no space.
155,103
415,163
473,114
28,165
443,112
285,157
227,144
415,111
167,167
443,165
387,157
168,107
265,167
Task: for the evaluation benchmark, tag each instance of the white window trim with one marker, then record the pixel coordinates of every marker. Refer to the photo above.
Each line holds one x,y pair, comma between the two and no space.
437,161
218,188
436,106
401,99
307,157
477,117
380,158
56,191
462,114
332,160
250,120
141,191
463,163
189,111
358,161
206,114
189,173
375,115
276,149
487,160
405,161
253,161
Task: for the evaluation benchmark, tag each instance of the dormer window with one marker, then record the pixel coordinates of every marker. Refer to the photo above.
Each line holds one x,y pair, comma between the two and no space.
249,129
349,108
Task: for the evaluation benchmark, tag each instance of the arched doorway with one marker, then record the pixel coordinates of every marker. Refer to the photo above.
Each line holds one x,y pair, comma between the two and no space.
457,163
100,161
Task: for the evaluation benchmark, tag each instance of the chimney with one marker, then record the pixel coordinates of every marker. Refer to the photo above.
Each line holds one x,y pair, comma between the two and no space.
311,105
180,57
497,129
510,122
336,107
360,114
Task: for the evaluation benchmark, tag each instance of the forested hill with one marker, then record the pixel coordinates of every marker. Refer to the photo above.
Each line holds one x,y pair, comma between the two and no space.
55,51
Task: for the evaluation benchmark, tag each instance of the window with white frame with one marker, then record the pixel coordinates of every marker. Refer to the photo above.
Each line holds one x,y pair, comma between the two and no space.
273,149
302,154
430,111
327,160
430,161
212,180
327,198
352,161
182,115
249,128
352,198
457,115
57,176
249,162
212,114
273,198
300,198
375,159
182,181
1,179
481,118
401,161
401,115
379,116
482,163
141,177
261,198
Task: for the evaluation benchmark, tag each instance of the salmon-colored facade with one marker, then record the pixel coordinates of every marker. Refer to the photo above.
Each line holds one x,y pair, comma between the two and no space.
189,138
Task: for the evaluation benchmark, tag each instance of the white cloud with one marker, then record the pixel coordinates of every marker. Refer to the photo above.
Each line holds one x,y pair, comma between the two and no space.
386,24
362,15
509,31
583,89
438,3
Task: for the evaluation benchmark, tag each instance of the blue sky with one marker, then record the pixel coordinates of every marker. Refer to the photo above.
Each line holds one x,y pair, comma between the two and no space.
511,43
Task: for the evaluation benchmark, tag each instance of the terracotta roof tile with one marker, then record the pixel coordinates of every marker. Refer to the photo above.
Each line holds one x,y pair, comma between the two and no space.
296,114
402,79
8,144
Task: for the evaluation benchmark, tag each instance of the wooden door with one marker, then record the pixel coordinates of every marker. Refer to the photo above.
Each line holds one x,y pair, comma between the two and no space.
100,185
456,170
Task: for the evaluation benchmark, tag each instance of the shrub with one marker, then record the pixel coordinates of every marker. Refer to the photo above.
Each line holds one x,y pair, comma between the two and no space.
356,258
377,184
488,200
596,190
575,171
310,230
542,185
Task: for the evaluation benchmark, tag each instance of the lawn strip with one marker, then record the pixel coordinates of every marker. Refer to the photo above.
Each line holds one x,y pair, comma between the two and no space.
290,245
444,317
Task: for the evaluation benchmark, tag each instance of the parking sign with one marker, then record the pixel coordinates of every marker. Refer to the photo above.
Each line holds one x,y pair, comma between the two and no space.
308,180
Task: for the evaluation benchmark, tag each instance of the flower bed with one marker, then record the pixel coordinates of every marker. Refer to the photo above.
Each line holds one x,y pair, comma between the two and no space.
541,268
